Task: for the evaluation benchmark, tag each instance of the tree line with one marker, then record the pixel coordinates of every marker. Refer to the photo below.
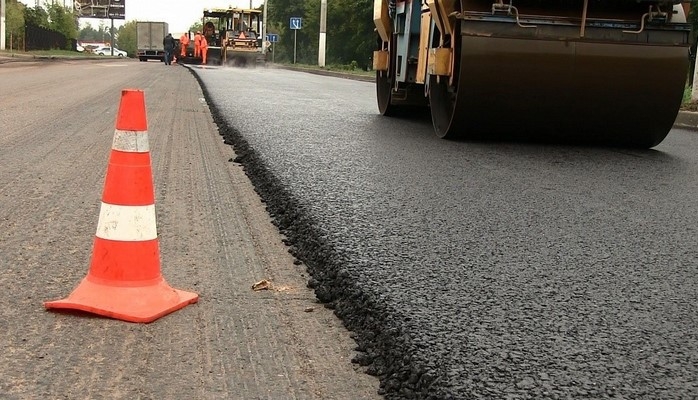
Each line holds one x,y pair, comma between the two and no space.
53,17
350,31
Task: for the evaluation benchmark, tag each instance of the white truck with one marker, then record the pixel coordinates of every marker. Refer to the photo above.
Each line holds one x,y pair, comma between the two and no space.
149,36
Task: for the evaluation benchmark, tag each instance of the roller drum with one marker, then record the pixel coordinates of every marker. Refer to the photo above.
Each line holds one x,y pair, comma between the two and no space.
614,92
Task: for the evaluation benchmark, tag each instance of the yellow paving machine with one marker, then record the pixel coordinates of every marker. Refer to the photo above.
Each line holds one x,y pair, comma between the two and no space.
233,36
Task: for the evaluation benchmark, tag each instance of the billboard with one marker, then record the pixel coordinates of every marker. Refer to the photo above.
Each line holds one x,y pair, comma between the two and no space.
106,9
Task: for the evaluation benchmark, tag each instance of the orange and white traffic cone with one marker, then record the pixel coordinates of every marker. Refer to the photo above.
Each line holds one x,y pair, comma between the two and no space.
124,280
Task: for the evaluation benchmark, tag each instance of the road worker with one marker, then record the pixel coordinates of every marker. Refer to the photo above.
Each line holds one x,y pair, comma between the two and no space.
183,43
197,44
169,44
204,50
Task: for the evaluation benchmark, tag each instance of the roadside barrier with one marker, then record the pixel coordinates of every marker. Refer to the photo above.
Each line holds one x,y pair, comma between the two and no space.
124,280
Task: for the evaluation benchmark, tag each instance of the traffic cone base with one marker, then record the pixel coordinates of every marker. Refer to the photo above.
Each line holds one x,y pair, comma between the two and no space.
128,303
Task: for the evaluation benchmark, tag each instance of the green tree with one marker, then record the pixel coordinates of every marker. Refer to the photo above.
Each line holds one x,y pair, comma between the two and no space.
196,26
89,34
62,20
14,23
36,16
350,30
280,13
350,36
126,38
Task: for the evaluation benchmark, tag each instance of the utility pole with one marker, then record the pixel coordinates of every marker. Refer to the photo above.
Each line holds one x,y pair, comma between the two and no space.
323,33
2,24
264,28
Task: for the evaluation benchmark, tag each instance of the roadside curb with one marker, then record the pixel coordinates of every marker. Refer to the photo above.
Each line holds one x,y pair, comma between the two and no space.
338,74
6,58
687,120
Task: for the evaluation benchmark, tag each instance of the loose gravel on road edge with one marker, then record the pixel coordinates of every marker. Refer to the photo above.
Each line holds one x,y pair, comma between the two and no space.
382,348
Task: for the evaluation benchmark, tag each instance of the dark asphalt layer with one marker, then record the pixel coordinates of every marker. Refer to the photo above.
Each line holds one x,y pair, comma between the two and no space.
475,269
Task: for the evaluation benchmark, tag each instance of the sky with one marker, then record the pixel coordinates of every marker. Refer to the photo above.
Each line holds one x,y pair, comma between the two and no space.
180,15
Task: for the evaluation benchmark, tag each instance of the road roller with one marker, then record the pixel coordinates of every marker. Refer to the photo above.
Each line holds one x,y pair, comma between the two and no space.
583,71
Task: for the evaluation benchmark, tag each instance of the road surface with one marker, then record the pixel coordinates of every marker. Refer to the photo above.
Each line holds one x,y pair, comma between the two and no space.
57,124
478,269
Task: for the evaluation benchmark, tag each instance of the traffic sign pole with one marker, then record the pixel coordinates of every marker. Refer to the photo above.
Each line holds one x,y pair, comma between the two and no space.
295,24
272,38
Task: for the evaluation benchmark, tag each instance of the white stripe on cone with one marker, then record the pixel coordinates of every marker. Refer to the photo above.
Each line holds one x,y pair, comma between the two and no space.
131,141
127,223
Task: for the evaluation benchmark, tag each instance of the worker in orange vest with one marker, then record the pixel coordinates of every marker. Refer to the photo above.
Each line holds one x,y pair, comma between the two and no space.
204,49
184,42
197,44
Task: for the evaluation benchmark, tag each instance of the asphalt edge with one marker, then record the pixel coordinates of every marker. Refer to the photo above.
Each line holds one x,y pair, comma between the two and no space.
382,348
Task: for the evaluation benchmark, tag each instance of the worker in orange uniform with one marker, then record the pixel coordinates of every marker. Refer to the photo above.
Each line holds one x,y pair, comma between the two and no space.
197,44
204,49
183,42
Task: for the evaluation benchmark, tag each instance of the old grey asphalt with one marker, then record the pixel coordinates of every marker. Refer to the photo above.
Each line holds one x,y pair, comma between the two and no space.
216,239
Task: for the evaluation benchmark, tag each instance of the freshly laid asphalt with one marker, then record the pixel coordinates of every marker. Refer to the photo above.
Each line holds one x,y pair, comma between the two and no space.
476,270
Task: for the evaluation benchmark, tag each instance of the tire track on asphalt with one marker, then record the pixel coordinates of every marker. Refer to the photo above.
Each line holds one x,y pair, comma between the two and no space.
45,173
179,179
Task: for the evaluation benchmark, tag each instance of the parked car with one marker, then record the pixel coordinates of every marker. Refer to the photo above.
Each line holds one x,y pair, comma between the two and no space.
106,51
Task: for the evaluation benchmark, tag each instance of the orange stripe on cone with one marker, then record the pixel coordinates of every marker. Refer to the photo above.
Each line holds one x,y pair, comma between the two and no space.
131,179
105,266
124,279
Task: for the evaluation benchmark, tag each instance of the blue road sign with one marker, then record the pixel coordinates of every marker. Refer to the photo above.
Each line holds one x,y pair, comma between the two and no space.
273,37
296,22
